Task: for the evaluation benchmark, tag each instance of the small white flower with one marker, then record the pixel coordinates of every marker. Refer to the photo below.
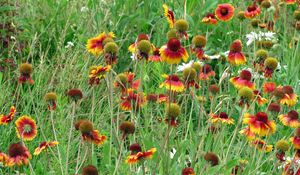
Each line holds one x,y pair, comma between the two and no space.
69,45
172,153
84,9
133,57
183,66
12,37
252,36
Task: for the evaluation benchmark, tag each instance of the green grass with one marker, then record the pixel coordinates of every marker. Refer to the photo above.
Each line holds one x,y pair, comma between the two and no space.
45,27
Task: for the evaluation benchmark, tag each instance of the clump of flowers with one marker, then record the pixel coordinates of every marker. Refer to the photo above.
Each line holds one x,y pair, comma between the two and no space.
132,100
206,72
286,96
88,132
5,119
235,55
262,145
172,112
25,70
96,45
224,12
97,73
26,128
296,139
44,146
137,155
51,99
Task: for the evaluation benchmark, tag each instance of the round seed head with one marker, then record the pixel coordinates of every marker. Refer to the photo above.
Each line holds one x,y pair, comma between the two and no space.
212,158
236,46
282,145
111,47
107,40
274,107
266,4
75,94
181,25
51,96
89,170
144,46
16,149
199,41
127,127
122,79
255,22
25,68
271,63
241,15
214,89
135,147
288,89
262,54
172,34
246,93
189,73
86,127
246,75
197,66
172,110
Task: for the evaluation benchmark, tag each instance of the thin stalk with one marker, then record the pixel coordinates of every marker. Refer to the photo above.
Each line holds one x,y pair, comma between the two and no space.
70,135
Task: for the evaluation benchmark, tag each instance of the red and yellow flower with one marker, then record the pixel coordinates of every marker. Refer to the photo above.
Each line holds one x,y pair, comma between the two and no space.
18,155
173,52
3,158
269,87
172,83
262,145
94,137
252,11
258,96
289,2
155,57
210,19
188,171
206,72
290,119
260,124
295,141
98,73
96,45
133,47
5,119
133,100
289,98
222,117
140,156
126,81
235,55
44,146
169,15
244,80
26,128
248,133
224,12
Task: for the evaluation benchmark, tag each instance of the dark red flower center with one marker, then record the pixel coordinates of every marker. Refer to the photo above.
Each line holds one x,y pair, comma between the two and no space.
288,90
210,15
251,8
246,75
206,68
262,117
142,37
274,107
16,149
156,52
174,78
293,114
223,115
135,148
174,44
224,11
236,46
